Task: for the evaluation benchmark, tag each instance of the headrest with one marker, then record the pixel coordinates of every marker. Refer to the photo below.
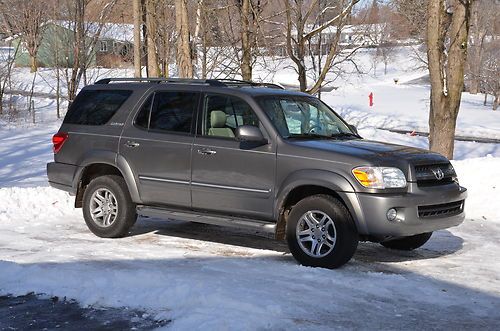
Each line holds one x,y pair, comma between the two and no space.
217,119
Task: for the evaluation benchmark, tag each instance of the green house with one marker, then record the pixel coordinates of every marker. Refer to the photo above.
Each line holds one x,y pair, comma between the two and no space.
112,49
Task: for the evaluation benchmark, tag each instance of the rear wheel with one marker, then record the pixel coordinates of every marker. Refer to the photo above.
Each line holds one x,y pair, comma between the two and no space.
408,243
108,209
321,233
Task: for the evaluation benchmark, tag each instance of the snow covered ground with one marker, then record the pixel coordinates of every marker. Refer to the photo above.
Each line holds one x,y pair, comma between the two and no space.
207,277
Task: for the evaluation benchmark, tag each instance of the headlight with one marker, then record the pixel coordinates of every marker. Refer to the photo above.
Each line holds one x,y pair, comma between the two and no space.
380,177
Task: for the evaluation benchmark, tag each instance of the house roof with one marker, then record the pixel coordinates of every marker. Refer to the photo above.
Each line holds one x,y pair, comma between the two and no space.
111,31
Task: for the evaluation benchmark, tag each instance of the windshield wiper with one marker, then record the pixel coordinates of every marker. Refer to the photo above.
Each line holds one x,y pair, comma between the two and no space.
307,136
345,135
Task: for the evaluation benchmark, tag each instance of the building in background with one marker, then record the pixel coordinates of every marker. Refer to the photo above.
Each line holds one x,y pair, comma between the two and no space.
113,47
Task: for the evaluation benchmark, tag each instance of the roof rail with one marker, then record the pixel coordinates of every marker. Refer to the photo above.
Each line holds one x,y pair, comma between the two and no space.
237,82
210,82
160,80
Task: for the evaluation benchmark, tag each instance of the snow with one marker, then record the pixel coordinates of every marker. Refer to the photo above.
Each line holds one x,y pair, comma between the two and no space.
208,277
115,31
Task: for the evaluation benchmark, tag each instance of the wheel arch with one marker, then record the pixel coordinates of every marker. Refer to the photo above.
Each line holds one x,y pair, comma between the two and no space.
104,163
304,183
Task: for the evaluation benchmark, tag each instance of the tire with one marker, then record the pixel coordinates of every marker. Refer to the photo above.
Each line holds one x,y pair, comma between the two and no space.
118,205
408,243
332,221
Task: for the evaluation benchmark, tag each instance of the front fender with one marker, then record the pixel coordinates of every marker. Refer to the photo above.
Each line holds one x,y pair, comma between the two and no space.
322,178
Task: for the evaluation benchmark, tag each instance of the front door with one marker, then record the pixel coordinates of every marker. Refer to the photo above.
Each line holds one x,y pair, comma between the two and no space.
157,144
230,176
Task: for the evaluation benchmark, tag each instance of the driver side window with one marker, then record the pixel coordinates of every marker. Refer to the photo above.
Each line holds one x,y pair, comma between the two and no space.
222,114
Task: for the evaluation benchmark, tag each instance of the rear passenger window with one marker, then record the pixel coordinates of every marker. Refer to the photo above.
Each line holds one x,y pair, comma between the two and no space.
95,107
171,111
142,119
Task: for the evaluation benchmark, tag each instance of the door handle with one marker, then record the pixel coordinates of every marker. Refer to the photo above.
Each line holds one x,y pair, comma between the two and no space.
132,144
206,151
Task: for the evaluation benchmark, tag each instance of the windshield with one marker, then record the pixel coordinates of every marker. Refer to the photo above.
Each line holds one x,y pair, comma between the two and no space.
302,116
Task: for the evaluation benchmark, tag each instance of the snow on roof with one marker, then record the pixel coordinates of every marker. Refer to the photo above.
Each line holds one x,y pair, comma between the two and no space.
350,29
113,31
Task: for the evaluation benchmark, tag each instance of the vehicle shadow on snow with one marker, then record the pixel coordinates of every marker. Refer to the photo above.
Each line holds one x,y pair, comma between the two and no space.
442,242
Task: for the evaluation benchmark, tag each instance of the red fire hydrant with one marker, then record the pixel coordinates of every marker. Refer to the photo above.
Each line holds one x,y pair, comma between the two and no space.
370,97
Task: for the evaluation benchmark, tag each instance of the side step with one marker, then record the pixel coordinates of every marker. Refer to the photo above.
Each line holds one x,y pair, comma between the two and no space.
263,227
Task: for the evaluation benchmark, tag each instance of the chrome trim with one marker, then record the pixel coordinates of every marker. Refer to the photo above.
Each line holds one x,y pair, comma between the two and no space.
232,149
235,188
155,179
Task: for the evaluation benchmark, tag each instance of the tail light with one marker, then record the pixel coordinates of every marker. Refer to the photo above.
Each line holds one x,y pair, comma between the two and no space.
58,141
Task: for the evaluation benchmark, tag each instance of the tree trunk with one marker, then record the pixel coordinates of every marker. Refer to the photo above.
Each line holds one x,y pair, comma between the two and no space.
446,69
137,37
33,64
197,40
153,70
184,61
246,47
495,102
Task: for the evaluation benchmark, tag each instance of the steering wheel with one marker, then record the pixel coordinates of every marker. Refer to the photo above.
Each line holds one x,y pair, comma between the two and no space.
311,130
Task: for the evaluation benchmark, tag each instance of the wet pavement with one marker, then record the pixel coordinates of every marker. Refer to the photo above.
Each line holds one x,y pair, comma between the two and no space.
31,312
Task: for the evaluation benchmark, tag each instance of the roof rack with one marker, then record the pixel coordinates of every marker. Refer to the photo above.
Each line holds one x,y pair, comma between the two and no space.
161,80
239,83
210,82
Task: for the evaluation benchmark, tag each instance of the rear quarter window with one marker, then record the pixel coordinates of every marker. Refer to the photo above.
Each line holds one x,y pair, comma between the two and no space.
95,107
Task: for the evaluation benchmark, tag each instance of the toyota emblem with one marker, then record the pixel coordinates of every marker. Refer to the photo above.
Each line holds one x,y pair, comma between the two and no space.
438,173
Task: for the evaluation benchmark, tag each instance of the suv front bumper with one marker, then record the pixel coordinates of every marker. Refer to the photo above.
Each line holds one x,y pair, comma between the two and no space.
370,211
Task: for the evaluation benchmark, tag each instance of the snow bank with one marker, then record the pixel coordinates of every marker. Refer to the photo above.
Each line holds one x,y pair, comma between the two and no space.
205,277
481,179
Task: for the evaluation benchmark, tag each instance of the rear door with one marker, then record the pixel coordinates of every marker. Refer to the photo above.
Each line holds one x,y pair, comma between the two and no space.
229,176
157,143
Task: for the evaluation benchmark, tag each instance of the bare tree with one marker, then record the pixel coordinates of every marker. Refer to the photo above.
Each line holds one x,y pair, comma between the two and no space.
151,33
298,36
184,59
246,35
447,34
137,37
26,18
85,33
490,71
484,15
6,65
414,18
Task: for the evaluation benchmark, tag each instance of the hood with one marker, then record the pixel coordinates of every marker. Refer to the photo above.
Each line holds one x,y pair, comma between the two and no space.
373,151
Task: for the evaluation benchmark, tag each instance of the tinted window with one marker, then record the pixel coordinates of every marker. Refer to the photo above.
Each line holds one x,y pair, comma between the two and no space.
95,107
223,114
142,118
173,111
297,115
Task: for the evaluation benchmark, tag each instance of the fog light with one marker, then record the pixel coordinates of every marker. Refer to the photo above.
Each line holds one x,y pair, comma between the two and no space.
392,214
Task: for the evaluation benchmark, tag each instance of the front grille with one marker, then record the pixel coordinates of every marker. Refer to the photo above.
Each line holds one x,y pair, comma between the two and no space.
445,209
427,175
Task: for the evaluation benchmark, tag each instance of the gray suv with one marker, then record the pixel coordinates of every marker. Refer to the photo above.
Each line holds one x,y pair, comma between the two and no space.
247,155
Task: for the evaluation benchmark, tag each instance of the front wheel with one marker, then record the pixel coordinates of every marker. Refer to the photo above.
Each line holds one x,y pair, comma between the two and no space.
321,232
408,243
108,209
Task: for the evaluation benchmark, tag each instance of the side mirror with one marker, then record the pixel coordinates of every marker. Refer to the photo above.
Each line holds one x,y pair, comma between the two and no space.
250,133
353,128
